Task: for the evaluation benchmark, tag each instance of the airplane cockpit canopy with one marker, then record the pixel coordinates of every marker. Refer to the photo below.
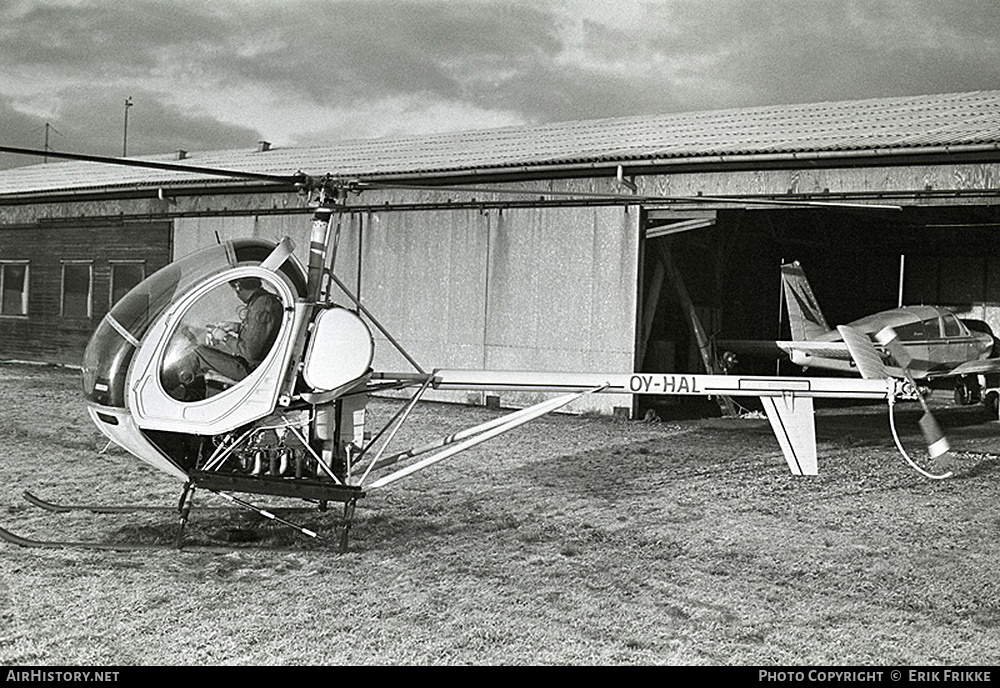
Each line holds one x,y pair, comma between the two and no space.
931,322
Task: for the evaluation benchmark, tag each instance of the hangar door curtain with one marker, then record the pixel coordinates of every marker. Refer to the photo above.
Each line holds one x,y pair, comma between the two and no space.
512,289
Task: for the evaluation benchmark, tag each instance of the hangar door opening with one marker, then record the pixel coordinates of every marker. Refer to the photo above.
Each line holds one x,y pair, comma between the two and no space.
678,316
727,264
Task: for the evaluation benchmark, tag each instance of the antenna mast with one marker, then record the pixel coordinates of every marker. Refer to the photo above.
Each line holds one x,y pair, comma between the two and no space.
48,128
128,104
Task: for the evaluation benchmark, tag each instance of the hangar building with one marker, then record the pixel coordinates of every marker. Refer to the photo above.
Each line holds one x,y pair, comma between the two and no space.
579,246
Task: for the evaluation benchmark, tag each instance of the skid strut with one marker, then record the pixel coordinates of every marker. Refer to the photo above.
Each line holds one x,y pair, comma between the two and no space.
321,491
184,512
345,532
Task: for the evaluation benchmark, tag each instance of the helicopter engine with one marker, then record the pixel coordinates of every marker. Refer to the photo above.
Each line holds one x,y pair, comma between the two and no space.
273,449
292,444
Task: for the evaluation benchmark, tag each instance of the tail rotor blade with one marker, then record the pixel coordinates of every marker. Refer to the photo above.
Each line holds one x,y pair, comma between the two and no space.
870,364
890,342
866,358
937,443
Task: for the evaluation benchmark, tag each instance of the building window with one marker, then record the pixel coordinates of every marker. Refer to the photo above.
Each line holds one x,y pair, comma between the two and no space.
124,276
14,288
77,288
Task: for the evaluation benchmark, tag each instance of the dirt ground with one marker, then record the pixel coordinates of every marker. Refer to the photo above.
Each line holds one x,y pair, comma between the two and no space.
570,541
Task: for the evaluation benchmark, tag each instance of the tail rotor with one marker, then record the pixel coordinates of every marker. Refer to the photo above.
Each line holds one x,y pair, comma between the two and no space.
871,365
937,443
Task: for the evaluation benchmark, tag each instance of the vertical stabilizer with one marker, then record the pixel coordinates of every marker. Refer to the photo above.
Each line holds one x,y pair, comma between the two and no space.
804,315
794,425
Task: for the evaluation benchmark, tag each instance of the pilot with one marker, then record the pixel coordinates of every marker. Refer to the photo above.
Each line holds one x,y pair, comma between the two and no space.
237,349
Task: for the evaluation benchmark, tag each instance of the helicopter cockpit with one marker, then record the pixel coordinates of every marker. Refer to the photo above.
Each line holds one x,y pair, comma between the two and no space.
222,338
145,369
119,335
224,347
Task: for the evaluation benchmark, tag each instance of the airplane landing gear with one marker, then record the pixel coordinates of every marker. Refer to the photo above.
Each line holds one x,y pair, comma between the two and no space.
968,391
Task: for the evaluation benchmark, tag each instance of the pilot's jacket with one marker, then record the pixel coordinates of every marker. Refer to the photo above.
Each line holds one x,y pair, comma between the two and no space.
259,328
260,321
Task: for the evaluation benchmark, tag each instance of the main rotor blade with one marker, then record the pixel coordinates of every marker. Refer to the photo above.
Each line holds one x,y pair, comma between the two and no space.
377,184
361,184
150,164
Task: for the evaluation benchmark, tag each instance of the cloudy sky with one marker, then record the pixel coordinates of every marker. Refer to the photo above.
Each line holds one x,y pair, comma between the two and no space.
218,74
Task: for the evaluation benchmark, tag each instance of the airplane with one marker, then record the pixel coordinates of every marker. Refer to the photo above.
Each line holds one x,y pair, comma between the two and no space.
289,419
934,343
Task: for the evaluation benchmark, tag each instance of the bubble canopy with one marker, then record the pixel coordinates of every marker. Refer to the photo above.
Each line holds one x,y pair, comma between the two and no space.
114,342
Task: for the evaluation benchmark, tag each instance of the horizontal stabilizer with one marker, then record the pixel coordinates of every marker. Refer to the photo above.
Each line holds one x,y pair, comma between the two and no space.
767,347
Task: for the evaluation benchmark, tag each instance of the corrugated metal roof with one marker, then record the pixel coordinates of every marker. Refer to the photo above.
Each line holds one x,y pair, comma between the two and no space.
848,127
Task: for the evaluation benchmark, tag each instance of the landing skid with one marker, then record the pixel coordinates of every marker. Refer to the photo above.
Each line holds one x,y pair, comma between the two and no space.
58,508
92,508
322,495
20,541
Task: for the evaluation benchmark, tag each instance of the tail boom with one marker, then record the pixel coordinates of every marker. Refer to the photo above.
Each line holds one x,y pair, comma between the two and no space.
788,401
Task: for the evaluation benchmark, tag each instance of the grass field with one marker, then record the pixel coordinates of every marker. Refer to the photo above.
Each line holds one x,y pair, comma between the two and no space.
570,541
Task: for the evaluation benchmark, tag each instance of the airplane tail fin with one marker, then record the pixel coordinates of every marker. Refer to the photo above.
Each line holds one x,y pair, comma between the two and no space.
804,314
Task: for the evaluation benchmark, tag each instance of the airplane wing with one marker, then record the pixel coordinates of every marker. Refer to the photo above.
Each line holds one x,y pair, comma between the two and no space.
823,349
985,366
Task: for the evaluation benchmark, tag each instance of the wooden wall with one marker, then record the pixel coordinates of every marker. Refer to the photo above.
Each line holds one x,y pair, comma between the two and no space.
44,334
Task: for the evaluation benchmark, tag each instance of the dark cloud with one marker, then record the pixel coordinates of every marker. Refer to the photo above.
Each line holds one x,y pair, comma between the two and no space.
330,51
22,131
701,56
96,40
473,59
353,51
769,52
94,122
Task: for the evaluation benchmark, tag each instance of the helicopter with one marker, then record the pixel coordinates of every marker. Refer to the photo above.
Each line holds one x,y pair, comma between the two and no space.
289,419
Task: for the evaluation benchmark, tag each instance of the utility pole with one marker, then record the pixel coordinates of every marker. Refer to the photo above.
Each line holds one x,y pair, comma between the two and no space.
128,104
